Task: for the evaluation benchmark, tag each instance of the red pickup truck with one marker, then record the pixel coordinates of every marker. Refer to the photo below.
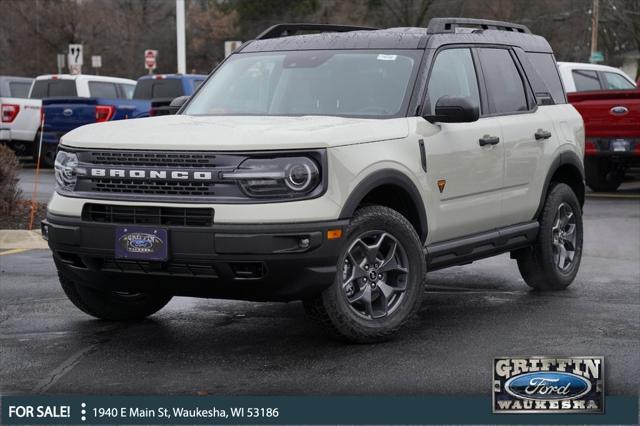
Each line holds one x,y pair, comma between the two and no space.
612,126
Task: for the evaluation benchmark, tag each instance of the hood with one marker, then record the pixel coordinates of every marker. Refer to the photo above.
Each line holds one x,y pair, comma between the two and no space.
234,133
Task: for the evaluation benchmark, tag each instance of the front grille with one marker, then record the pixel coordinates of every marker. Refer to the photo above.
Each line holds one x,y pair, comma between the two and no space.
142,215
168,187
154,159
161,186
159,268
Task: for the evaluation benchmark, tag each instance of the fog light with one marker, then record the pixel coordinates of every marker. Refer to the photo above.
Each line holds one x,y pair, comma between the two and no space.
304,243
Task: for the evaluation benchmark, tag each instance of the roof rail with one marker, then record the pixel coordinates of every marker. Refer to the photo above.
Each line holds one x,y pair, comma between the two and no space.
449,25
283,30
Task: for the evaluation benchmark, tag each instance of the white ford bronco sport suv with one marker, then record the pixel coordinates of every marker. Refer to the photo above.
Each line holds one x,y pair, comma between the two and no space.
335,168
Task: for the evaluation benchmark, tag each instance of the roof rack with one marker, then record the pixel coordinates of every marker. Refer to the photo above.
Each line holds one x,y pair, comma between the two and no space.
283,30
449,25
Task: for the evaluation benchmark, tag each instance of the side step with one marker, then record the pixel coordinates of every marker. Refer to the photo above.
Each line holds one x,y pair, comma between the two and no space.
479,246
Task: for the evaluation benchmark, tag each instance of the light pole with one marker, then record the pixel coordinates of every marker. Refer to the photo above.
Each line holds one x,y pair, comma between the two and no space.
180,38
594,28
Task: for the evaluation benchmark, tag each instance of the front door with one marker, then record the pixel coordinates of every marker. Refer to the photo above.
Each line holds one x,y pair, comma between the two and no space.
465,160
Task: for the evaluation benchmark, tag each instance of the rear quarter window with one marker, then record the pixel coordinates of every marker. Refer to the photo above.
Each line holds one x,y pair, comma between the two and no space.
546,68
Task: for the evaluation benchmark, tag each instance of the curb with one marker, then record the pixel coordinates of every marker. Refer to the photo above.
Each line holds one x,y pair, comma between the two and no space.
21,239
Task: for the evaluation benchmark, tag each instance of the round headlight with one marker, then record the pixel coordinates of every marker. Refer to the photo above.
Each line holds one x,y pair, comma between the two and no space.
299,176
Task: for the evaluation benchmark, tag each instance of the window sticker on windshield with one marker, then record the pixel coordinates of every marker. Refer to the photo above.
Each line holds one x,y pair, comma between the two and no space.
382,57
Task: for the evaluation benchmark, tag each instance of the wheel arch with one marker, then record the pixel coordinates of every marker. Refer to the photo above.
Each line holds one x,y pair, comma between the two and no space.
566,168
393,189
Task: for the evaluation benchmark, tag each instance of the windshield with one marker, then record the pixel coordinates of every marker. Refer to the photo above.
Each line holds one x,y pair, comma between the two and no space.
350,83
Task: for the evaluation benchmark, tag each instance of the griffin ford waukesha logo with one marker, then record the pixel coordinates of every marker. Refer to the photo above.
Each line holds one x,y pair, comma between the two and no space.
139,242
548,384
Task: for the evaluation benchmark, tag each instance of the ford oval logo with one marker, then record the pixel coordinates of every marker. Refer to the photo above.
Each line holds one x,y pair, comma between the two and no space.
67,112
619,110
545,385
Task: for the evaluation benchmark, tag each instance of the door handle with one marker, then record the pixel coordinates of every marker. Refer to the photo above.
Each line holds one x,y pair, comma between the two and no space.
489,140
542,134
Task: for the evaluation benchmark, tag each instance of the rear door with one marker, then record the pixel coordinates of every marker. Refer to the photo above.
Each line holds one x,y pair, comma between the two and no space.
526,130
470,175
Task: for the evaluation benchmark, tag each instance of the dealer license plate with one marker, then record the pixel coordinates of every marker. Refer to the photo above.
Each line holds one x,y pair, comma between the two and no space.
141,243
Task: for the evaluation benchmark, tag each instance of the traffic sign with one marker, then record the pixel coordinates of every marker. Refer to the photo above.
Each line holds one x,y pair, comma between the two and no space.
74,58
96,61
596,57
150,59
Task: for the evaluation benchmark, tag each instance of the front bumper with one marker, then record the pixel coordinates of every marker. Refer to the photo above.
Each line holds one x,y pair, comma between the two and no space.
248,262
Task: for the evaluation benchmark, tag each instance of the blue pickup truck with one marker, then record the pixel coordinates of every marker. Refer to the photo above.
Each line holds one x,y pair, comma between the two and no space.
71,101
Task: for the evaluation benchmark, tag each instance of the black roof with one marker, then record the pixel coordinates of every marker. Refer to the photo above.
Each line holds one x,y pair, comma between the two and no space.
440,31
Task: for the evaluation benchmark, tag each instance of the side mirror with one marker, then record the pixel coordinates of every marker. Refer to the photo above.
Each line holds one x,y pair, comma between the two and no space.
177,103
455,109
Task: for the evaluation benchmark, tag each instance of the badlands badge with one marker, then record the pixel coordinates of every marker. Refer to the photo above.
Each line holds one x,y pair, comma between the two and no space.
548,385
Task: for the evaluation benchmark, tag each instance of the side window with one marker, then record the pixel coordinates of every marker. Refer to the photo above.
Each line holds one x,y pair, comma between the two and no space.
453,74
505,88
99,89
617,82
545,65
586,80
19,90
127,90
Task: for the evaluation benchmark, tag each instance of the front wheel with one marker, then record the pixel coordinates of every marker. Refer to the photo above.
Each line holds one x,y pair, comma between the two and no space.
380,280
553,261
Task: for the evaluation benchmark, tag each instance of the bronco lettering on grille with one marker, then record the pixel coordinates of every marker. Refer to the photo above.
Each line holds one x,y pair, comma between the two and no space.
199,175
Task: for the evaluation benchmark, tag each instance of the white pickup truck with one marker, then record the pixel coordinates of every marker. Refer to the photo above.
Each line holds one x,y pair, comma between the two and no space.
20,115
582,77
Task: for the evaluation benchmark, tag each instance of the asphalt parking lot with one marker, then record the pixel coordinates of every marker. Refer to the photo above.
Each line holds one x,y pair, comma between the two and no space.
470,314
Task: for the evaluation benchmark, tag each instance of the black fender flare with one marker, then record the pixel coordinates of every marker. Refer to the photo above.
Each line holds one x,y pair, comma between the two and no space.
387,177
564,158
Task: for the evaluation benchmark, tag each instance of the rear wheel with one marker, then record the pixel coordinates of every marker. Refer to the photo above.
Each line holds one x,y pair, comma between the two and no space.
553,262
602,174
380,281
110,305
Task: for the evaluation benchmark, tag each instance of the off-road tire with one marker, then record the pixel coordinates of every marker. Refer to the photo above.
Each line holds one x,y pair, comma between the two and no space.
331,309
110,305
602,175
537,265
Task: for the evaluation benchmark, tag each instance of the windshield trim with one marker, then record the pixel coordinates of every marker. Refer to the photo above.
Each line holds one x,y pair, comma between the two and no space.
416,54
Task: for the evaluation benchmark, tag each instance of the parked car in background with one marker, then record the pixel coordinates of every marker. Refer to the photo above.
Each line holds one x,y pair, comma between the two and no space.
20,116
70,101
612,126
609,103
582,77
74,101
161,89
